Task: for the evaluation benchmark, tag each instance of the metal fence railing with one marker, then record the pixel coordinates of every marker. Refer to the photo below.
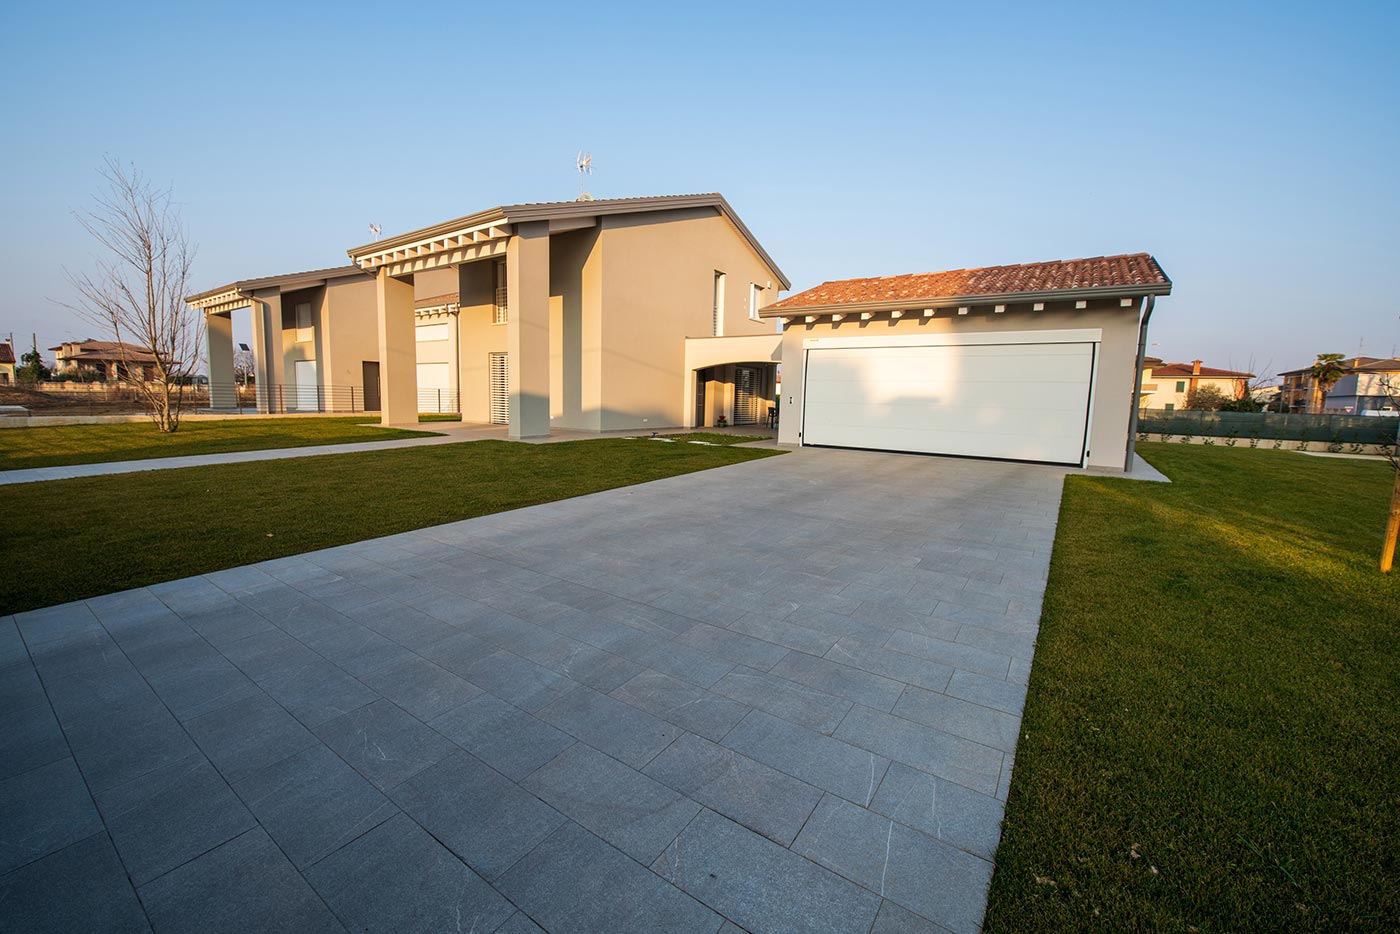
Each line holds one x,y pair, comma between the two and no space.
277,398
291,398
1344,429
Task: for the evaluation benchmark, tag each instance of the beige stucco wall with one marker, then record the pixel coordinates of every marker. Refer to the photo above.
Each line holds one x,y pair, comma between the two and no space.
1117,358
575,329
657,289
350,332
478,338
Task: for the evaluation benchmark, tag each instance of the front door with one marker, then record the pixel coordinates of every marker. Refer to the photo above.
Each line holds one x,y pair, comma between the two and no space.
306,394
371,376
746,395
701,378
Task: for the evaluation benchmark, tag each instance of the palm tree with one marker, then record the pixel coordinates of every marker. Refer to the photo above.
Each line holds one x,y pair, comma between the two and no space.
1326,370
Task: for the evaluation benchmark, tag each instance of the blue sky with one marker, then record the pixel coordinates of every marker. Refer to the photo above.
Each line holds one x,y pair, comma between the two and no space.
1250,147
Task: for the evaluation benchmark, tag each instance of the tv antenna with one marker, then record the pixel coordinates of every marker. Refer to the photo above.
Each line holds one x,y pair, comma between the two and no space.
584,163
375,229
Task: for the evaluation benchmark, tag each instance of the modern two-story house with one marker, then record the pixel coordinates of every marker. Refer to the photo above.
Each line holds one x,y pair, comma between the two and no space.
627,313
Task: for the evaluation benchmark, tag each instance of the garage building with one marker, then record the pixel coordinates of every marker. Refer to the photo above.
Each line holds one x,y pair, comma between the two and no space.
1034,362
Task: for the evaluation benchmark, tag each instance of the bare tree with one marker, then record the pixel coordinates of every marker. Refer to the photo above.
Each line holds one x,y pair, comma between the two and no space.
137,292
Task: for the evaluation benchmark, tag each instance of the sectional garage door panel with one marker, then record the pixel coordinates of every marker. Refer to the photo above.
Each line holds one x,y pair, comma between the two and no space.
1014,401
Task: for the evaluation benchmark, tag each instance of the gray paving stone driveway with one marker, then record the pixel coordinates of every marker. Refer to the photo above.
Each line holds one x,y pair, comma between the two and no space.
778,696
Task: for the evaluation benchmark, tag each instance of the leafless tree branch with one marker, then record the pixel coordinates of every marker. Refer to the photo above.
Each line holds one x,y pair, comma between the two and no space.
137,289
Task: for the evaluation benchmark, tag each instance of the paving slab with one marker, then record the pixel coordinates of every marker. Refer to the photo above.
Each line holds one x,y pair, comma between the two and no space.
633,812
82,887
396,879
489,821
933,879
760,885
575,883
244,885
742,789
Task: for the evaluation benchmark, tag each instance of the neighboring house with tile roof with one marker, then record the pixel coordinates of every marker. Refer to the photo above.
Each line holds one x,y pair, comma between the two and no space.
1371,390
1376,380
1167,386
1033,361
108,361
7,363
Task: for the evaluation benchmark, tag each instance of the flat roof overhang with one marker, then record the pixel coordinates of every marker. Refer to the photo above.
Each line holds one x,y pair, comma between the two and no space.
239,294
485,233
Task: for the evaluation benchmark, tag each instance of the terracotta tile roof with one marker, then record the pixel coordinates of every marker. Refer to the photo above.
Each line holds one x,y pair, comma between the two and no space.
1057,275
106,352
448,298
7,353
1354,364
1179,370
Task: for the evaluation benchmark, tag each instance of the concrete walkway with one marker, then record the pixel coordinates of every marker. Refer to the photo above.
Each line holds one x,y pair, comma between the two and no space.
782,695
450,433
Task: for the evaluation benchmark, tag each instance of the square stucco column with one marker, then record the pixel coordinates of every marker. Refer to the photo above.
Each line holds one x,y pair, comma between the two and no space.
398,351
218,334
527,298
268,364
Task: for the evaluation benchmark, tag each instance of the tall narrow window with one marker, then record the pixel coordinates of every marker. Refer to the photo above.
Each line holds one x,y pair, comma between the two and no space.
502,312
499,389
305,329
717,314
755,300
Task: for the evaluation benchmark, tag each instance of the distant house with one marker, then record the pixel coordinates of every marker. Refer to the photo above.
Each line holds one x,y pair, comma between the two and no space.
108,361
1367,392
7,364
1364,391
1165,386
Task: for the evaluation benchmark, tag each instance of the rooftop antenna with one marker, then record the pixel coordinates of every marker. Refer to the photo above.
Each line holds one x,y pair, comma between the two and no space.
375,229
584,163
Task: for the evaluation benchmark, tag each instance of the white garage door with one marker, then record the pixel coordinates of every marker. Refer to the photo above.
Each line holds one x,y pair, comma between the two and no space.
1014,401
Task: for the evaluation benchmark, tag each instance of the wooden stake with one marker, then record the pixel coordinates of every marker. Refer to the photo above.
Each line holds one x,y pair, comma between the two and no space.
1392,527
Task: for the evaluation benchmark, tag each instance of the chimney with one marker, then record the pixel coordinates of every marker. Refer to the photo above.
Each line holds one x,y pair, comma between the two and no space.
1195,368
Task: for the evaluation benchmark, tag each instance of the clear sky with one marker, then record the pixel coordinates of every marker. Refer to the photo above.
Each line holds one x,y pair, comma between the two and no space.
1251,147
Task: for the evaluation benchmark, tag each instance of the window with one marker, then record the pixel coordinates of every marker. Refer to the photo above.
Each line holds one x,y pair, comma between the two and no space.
502,313
432,332
1169,407
498,393
1181,385
717,311
305,328
755,300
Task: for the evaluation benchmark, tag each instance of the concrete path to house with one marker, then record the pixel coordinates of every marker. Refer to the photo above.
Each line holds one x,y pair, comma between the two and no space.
777,696
449,433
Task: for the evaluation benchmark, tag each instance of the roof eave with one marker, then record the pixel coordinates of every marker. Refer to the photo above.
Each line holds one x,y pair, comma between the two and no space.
526,213
1000,298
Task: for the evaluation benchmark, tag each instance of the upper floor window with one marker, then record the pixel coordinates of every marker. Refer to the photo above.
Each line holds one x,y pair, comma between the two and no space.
501,315
432,332
1181,385
717,312
305,328
755,300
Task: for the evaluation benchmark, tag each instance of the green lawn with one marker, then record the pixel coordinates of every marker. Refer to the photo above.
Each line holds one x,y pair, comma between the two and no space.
715,437
1210,739
92,444
97,535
